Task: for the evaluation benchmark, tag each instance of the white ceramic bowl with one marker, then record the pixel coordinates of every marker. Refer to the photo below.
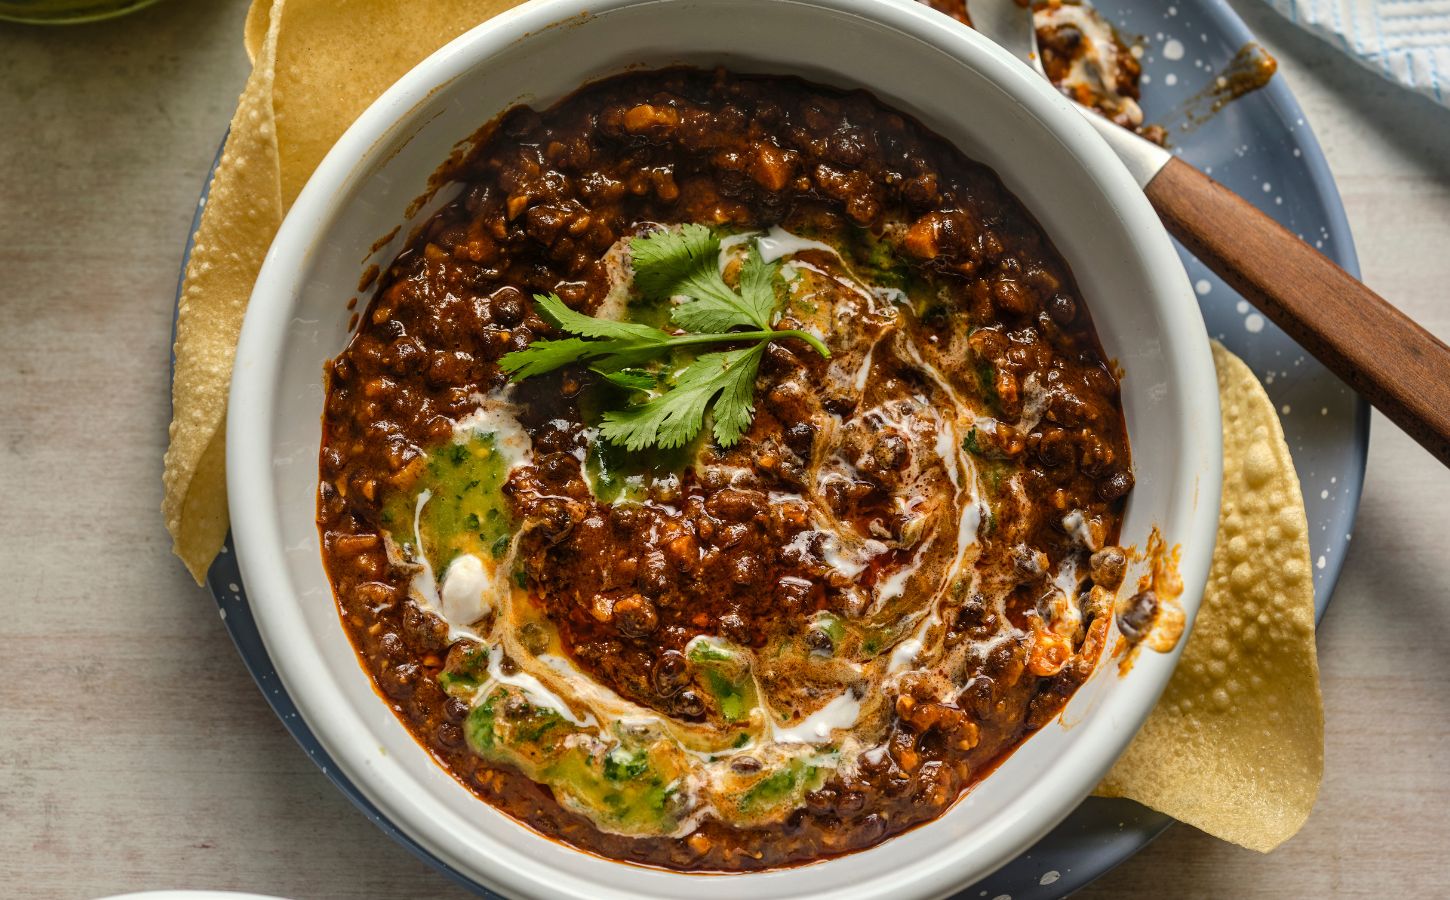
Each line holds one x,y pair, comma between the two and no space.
917,60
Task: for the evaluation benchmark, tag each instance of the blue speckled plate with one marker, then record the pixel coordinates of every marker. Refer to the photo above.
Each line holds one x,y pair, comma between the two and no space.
1261,147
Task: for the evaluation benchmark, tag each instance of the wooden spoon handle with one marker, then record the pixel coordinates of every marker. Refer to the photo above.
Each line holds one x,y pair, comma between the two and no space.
1400,367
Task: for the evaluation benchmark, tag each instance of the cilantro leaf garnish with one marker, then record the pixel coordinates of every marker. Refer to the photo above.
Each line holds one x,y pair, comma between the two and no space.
552,308
673,265
634,379
670,264
664,259
619,344
711,309
675,416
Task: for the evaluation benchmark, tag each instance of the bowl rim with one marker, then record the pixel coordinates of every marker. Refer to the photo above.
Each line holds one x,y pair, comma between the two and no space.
255,387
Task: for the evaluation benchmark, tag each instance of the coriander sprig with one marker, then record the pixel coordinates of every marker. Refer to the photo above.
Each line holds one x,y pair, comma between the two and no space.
669,265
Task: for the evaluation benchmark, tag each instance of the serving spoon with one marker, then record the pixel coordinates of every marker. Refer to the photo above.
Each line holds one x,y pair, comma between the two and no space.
1397,365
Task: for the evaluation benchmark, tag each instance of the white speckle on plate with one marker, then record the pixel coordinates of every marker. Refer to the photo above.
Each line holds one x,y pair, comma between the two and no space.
1049,877
1268,187
1254,323
1173,49
1319,563
233,587
1279,201
1242,306
1172,11
1285,409
1170,79
222,611
1334,479
1324,494
1324,410
1202,286
1146,79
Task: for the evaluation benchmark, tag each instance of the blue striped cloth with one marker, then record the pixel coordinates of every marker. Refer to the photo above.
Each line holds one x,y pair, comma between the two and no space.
1407,41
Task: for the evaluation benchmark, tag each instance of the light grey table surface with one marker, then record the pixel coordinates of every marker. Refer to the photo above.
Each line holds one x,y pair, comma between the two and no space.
135,752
